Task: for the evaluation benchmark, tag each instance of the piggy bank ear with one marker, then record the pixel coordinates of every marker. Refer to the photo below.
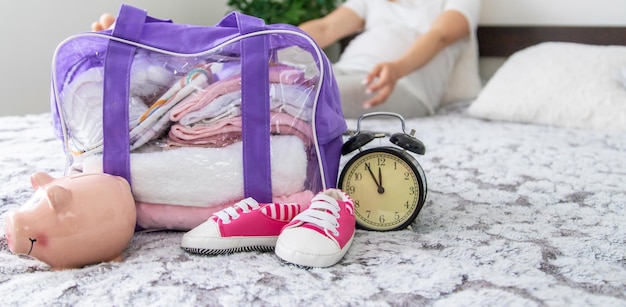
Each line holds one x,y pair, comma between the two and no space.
59,197
40,179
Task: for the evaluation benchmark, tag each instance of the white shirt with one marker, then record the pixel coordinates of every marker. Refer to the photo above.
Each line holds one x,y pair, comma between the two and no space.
391,27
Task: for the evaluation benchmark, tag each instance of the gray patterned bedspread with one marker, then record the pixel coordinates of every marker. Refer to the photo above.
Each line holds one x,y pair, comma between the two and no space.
516,215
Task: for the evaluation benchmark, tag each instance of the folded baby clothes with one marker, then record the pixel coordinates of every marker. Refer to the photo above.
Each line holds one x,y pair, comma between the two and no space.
155,121
277,74
295,100
228,131
227,105
202,97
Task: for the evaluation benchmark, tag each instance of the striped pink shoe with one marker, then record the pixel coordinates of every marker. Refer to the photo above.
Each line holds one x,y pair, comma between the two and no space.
246,226
322,234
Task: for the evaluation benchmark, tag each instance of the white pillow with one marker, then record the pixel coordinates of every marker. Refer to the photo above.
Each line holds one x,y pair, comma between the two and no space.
465,82
558,84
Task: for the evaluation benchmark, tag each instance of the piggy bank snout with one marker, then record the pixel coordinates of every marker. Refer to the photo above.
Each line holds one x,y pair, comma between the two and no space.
17,234
9,231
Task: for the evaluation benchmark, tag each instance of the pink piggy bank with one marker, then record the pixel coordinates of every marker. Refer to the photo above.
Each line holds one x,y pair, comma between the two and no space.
73,221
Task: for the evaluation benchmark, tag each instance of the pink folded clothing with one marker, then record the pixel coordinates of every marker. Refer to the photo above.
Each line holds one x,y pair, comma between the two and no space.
202,97
228,131
277,74
176,217
287,75
295,100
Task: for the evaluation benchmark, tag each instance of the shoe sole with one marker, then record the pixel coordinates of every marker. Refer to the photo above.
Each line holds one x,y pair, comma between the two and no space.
217,246
310,260
205,251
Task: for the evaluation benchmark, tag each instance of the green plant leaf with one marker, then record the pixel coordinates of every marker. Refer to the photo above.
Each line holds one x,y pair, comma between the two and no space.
292,12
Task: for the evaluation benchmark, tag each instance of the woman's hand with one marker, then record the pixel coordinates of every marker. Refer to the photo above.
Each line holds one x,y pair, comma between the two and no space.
381,80
105,21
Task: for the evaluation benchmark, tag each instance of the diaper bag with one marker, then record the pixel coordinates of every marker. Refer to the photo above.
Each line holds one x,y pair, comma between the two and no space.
197,118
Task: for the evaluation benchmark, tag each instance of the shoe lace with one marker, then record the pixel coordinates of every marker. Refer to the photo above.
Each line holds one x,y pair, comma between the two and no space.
231,213
323,212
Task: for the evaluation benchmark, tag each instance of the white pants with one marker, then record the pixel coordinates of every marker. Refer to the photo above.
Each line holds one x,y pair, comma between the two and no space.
416,95
353,95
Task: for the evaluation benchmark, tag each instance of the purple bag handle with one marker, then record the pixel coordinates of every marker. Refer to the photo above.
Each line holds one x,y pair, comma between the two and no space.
255,108
117,64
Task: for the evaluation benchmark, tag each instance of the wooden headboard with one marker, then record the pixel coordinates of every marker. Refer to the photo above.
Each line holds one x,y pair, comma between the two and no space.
502,41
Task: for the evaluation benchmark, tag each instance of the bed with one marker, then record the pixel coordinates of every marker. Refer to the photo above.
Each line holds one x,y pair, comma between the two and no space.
519,212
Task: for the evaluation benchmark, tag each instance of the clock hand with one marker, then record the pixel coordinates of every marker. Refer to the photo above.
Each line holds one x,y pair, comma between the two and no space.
374,177
381,190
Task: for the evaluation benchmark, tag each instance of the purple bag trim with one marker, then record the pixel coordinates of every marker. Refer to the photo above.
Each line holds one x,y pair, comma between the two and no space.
115,154
257,175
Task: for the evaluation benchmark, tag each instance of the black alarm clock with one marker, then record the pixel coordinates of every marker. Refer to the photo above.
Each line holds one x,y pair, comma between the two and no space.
386,183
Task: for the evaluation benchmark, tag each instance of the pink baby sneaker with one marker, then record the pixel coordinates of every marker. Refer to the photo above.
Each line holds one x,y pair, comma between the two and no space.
322,234
245,226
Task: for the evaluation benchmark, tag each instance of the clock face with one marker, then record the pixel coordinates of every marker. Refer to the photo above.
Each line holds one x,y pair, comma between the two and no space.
388,188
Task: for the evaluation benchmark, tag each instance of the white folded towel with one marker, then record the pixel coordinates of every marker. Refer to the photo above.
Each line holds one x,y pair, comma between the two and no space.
205,177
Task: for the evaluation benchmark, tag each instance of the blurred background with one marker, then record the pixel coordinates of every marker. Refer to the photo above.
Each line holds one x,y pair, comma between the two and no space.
31,30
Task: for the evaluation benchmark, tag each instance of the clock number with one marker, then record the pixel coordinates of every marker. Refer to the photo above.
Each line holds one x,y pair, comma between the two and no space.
351,189
358,176
406,204
357,204
407,176
368,213
412,191
397,215
381,161
381,218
